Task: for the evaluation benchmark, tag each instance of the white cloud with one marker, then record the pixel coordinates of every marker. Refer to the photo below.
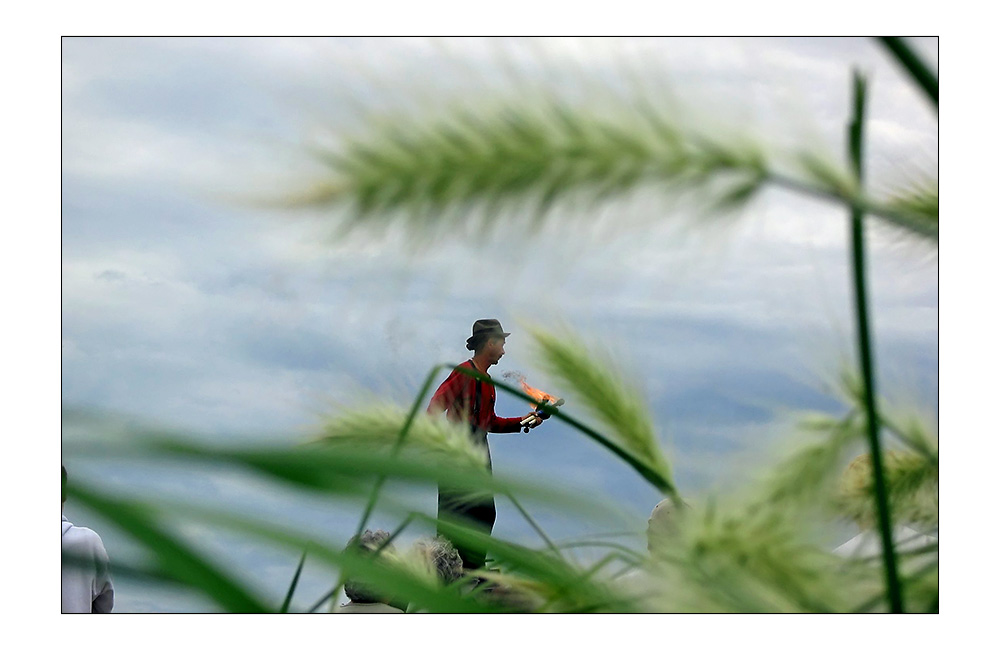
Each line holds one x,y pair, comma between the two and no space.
126,150
145,291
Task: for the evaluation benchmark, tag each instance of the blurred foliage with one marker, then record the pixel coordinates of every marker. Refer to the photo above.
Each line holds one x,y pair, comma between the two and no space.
756,553
912,480
428,173
755,550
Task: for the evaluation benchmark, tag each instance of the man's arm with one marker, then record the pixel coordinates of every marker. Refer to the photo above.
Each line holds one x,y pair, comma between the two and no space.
506,425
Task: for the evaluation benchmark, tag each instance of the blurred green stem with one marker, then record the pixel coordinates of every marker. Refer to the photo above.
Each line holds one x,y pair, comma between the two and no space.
534,524
854,201
295,583
893,587
622,552
921,74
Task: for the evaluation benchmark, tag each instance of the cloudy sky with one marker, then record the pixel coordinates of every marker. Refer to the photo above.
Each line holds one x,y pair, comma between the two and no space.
183,304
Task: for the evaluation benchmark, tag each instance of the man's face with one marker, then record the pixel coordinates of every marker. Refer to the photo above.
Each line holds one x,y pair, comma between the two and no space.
494,350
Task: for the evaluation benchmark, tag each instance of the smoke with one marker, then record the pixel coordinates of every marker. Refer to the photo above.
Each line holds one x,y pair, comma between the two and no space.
514,375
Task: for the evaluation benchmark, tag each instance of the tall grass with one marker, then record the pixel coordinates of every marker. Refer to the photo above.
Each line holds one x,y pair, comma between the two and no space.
756,550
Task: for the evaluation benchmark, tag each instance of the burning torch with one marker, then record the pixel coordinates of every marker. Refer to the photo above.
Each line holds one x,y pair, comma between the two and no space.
540,398
540,414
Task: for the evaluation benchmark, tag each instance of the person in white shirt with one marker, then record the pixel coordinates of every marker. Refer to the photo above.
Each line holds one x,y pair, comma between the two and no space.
86,576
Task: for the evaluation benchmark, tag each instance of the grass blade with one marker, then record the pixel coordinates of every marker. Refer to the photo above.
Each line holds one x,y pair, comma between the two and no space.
914,65
865,355
295,582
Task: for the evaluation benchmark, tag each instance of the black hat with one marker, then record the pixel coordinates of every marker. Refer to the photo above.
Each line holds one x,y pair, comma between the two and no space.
483,328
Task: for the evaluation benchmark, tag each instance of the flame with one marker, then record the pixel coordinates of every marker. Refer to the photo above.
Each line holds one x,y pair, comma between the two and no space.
538,396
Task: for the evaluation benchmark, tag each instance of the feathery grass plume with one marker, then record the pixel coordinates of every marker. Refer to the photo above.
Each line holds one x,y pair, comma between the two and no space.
379,425
913,429
918,204
922,586
750,558
602,390
530,154
917,432
828,176
911,474
911,212
912,483
808,475
431,172
811,473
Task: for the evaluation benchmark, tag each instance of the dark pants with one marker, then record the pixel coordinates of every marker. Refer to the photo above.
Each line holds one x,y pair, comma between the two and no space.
479,514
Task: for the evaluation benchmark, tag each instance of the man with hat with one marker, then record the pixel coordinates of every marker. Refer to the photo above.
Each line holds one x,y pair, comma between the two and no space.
471,400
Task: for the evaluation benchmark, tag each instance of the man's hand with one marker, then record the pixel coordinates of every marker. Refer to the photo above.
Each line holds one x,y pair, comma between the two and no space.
531,420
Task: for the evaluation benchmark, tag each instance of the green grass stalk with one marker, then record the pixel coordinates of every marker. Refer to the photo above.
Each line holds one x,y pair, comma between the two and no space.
856,133
531,521
913,64
295,583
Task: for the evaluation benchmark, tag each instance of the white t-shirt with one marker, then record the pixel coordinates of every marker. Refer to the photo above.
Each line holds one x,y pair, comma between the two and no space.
86,579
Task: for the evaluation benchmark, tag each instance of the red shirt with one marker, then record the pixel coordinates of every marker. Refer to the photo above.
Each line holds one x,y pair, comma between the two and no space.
457,396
